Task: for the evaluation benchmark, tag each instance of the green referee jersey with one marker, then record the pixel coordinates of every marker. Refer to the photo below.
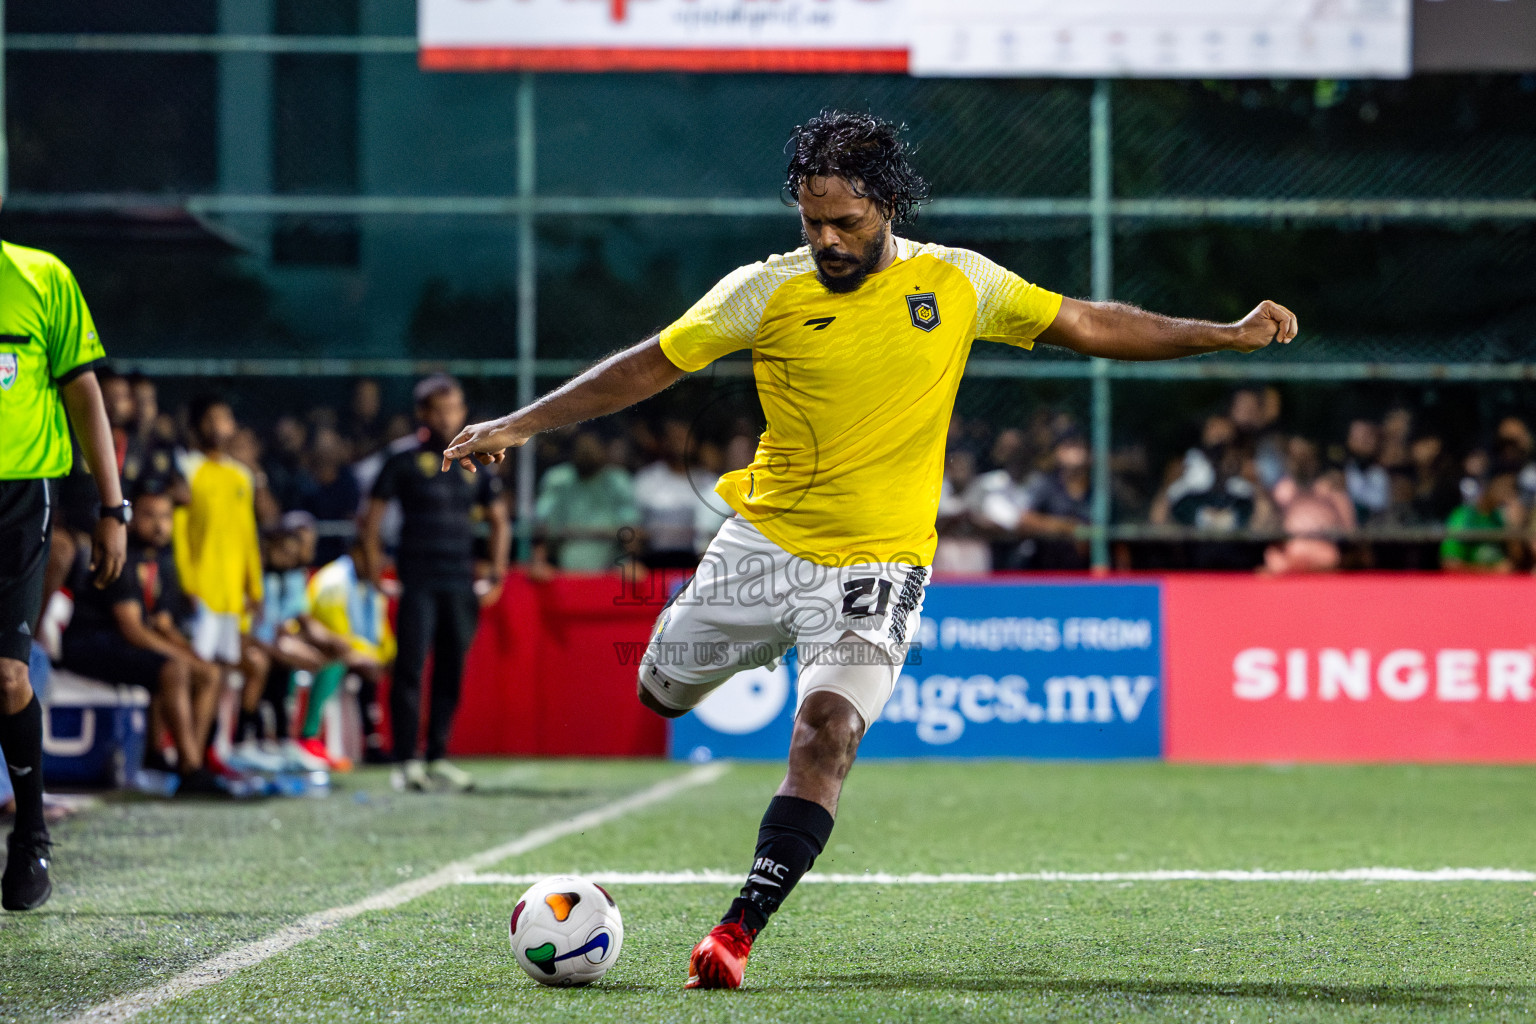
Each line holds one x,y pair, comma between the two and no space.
47,339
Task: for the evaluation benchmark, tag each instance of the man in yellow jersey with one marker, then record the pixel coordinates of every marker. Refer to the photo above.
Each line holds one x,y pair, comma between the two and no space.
49,352
858,341
218,553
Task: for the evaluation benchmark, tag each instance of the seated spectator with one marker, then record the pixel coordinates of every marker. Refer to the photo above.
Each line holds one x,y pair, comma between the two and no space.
296,641
366,425
155,426
287,478
1365,479
961,547
1254,415
1396,436
129,633
1494,508
583,505
1515,453
1214,493
1304,476
1312,525
999,500
284,600
1476,471
1058,503
1402,513
335,495
348,609
1435,487
669,495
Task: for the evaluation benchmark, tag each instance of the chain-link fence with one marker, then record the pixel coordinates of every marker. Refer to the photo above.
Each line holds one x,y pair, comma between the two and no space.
270,192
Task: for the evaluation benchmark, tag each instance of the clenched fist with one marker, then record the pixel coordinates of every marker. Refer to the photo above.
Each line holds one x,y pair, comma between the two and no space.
1269,322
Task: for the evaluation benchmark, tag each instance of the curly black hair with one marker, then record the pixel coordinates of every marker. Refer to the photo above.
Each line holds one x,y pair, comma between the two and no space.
862,149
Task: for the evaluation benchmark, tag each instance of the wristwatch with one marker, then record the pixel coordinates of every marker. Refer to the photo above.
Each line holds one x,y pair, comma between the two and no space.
122,513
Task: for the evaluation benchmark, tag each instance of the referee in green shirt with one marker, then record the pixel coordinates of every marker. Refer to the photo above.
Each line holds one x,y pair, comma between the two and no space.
48,354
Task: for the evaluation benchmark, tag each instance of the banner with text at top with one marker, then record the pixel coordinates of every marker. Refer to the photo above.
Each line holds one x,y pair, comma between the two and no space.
1020,38
663,35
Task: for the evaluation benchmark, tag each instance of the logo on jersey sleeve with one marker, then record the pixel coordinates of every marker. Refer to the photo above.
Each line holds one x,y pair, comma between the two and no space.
924,309
7,370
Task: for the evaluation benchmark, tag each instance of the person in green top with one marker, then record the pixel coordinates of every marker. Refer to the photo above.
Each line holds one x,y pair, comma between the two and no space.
1487,513
585,509
49,351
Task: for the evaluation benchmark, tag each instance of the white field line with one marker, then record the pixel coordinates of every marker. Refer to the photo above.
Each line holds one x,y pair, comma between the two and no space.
1347,875
215,970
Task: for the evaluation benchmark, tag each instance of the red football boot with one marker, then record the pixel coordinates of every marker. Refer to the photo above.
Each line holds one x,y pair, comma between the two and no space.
721,958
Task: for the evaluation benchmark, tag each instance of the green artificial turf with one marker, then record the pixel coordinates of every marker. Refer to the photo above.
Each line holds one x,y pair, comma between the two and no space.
1103,951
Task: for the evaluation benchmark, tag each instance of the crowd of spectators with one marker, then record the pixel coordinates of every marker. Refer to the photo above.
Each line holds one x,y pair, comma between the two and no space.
1246,494
1390,493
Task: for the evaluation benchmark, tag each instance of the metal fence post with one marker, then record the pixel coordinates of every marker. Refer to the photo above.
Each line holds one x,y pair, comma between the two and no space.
1100,199
5,153
527,305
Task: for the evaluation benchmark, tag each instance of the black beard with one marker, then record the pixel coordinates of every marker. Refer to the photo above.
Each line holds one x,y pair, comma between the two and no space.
868,260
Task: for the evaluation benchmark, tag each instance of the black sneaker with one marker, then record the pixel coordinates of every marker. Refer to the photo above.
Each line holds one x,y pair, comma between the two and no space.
201,782
25,885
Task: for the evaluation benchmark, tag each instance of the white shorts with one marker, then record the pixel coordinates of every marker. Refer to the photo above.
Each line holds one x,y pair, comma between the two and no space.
751,601
216,636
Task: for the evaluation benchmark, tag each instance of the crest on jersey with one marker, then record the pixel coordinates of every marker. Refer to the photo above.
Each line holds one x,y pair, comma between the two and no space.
7,370
924,309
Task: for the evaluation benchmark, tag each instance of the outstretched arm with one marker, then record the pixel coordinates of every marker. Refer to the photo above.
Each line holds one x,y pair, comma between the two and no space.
617,382
1112,330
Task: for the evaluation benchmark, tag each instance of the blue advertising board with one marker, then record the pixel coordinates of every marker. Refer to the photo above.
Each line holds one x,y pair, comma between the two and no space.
1050,670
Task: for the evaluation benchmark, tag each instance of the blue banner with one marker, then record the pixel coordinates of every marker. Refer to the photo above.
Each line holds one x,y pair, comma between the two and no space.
1058,670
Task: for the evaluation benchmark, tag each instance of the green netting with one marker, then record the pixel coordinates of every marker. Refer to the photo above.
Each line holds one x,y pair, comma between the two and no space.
672,135
1437,136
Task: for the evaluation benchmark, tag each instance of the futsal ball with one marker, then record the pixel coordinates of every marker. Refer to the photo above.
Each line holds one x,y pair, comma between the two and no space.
566,931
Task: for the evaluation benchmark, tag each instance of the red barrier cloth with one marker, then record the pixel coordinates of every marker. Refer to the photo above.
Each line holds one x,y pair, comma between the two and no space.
1350,668
552,670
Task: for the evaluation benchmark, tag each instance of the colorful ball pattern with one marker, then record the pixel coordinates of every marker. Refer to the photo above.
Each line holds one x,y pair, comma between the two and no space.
566,931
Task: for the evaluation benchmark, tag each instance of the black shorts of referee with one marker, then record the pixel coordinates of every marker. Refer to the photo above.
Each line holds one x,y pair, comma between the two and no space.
26,520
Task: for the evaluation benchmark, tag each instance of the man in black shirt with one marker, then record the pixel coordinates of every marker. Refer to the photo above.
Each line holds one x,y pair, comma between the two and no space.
127,633
435,560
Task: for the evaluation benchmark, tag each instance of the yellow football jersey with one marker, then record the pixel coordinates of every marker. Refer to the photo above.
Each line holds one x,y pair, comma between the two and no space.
217,551
857,388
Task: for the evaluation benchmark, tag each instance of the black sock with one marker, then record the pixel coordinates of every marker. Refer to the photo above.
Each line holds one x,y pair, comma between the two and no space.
247,725
792,835
279,681
21,737
371,715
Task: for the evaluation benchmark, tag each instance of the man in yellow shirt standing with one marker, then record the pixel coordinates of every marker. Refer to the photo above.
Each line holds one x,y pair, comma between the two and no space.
49,353
858,343
218,553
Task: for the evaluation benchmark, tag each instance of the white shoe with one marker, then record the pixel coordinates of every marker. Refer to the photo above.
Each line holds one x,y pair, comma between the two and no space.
297,759
250,758
410,775
450,776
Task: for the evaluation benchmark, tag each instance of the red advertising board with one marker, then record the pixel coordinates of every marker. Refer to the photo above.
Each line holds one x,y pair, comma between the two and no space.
552,670
1357,668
